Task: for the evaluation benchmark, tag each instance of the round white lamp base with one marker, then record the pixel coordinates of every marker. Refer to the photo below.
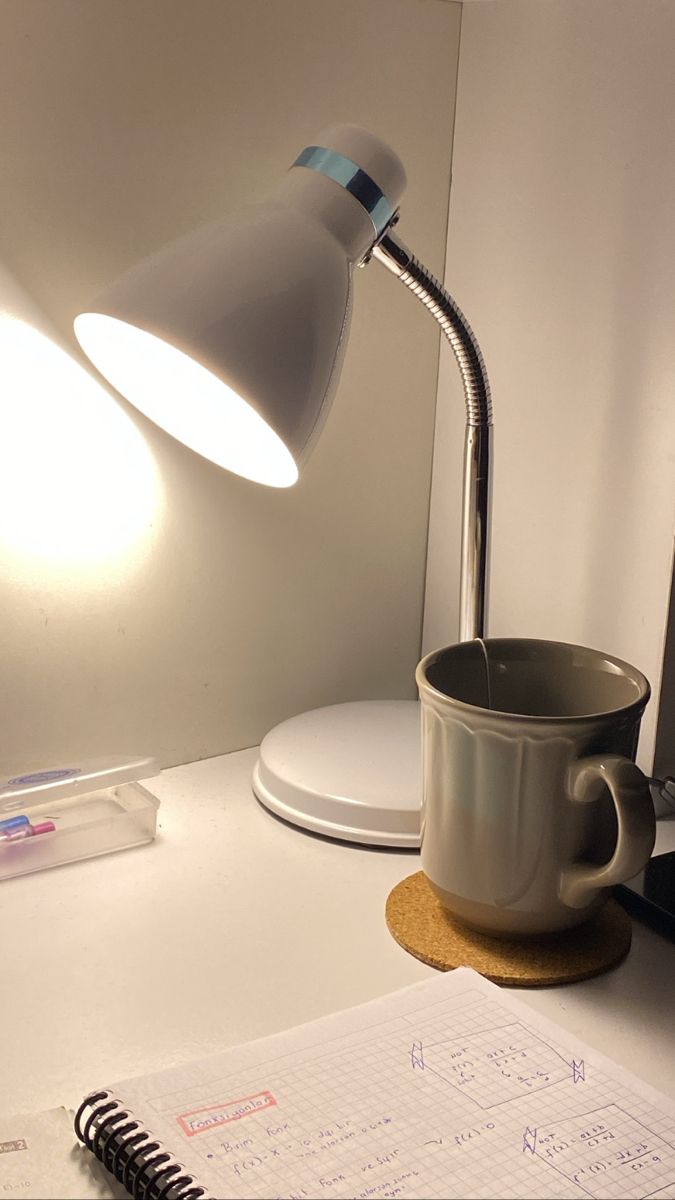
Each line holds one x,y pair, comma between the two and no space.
349,771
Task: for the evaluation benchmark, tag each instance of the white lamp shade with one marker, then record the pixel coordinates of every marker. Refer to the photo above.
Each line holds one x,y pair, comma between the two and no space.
232,337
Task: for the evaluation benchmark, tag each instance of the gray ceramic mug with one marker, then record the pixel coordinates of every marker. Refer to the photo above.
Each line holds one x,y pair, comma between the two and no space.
532,804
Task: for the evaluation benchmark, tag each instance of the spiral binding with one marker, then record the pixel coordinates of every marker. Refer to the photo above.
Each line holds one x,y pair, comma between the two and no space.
130,1153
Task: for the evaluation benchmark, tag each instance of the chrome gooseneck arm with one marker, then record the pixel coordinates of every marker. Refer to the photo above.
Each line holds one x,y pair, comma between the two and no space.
476,494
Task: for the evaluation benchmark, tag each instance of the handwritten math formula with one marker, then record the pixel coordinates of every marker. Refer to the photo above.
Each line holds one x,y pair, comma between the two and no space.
606,1153
495,1065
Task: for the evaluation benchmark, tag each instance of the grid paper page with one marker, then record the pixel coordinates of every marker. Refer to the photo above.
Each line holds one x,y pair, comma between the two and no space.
449,1088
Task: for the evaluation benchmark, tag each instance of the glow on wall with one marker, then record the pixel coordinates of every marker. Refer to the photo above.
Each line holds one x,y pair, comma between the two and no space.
78,485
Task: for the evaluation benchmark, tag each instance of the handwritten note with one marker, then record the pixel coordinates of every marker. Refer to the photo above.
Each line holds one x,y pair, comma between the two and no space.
451,1088
607,1152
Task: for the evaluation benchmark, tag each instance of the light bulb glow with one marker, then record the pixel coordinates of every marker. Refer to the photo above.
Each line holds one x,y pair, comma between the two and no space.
78,486
185,399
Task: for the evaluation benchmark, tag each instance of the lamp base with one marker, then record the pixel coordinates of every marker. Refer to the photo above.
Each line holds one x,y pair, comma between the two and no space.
348,771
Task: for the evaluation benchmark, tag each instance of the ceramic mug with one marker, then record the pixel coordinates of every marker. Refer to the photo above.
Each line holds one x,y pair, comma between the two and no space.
532,804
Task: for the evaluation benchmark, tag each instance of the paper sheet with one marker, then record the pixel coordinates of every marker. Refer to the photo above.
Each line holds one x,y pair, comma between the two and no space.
451,1088
40,1158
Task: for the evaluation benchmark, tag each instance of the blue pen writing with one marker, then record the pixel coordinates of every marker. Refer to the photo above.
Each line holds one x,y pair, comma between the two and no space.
13,822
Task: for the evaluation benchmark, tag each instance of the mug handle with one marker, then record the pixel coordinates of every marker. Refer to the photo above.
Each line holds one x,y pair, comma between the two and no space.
636,823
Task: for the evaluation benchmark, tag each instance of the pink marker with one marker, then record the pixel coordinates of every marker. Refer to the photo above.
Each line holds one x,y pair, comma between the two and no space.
26,831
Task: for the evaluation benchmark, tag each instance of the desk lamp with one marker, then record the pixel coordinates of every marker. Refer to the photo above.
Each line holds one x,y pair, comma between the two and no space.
232,339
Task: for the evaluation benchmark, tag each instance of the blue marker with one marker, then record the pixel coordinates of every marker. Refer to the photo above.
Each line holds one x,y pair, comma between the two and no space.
13,822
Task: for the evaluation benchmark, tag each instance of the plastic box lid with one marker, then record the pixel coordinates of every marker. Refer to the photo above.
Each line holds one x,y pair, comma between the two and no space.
58,783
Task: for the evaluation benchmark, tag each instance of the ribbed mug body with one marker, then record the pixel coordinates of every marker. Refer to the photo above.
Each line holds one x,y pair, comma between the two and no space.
499,825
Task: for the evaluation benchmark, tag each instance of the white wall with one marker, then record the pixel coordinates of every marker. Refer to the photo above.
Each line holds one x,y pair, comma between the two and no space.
220,607
561,252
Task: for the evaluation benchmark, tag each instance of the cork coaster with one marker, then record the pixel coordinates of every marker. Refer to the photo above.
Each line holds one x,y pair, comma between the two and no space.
418,922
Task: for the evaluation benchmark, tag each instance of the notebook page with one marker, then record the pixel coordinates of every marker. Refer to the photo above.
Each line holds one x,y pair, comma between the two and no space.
449,1088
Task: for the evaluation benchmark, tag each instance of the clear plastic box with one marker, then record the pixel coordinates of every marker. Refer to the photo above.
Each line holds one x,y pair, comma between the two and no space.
58,816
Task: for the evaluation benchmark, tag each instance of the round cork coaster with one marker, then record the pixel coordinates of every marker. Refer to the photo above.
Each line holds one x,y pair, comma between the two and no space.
418,922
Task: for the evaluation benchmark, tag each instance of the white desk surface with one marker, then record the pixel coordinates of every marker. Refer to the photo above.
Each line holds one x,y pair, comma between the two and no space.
232,925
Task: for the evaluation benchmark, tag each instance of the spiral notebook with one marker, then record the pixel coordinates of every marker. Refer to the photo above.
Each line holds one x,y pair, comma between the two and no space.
449,1088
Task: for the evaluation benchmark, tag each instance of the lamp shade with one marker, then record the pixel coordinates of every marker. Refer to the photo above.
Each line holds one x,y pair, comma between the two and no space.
232,338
